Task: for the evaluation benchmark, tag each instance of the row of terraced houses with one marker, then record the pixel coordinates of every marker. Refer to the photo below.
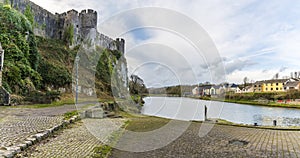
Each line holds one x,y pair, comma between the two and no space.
274,85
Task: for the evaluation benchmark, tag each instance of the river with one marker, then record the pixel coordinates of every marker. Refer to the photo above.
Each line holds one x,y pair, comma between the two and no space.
193,109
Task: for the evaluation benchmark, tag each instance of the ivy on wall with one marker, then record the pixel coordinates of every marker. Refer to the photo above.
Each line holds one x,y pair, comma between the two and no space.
21,55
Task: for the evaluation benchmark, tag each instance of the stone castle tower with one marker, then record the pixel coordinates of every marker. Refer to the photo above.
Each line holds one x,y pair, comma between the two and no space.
82,23
56,26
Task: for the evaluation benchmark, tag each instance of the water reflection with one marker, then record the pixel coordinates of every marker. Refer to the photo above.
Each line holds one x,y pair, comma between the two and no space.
192,109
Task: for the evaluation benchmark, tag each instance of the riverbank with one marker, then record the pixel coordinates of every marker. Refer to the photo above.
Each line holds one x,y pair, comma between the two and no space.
249,102
222,140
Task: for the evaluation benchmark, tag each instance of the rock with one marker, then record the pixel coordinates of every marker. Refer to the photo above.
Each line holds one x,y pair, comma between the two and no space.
23,146
45,134
55,128
28,143
72,120
8,154
50,130
98,106
82,114
38,136
95,113
14,150
32,140
75,117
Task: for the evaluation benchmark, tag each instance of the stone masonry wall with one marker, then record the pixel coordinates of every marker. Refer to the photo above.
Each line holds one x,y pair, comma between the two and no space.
53,26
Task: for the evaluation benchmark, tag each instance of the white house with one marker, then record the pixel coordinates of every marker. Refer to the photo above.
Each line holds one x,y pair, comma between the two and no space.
292,85
195,91
248,89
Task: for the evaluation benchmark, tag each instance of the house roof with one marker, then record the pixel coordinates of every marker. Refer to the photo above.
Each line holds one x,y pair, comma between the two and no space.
247,87
205,86
234,86
217,87
271,81
292,84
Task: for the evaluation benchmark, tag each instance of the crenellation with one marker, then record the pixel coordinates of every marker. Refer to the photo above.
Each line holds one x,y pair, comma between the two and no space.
75,12
54,25
83,12
120,45
90,11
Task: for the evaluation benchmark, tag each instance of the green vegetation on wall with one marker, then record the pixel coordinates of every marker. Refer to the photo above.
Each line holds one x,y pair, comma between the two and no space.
56,64
69,35
29,14
34,65
104,71
21,55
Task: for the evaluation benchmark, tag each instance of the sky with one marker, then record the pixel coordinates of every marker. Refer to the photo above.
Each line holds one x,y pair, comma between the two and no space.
187,42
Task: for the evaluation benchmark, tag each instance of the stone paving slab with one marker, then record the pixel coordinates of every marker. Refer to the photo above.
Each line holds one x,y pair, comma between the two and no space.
76,141
17,124
260,143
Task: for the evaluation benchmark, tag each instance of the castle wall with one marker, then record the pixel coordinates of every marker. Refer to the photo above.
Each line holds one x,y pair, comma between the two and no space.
53,26
45,20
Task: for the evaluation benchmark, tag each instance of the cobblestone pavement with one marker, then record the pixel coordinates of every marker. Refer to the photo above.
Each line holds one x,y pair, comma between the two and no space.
221,142
17,124
78,140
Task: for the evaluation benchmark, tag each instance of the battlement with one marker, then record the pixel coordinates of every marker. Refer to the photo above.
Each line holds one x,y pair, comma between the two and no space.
120,40
88,11
83,22
75,12
120,45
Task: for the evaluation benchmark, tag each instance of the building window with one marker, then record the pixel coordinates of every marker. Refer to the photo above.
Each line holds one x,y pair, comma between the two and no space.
271,89
259,86
276,89
266,89
276,84
254,85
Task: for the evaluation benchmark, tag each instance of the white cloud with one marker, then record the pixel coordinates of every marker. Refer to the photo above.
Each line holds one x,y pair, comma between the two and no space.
251,35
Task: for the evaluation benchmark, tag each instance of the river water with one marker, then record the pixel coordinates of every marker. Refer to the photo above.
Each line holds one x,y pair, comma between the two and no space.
193,109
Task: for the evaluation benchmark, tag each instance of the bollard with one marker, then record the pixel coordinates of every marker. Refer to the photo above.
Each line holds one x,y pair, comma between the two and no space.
274,122
205,113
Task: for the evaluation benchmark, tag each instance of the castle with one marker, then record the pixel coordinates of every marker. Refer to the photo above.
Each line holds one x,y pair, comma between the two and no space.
55,26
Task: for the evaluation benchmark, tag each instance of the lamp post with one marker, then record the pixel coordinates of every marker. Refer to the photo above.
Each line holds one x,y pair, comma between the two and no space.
1,63
77,62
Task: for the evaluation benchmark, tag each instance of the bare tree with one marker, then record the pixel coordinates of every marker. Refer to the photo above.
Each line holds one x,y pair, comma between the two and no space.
276,76
245,81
